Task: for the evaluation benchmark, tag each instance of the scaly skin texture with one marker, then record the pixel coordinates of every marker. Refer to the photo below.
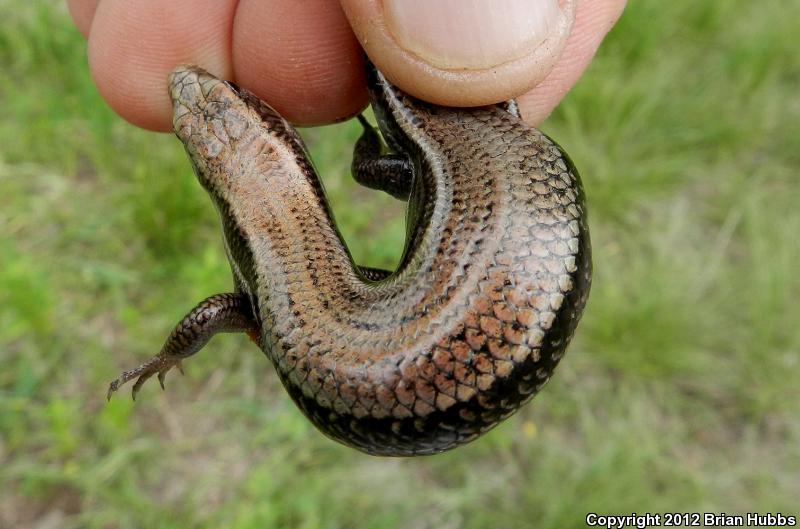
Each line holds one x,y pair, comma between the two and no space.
470,326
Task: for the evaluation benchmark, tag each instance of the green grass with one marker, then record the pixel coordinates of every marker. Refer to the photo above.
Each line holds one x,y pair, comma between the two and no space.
680,392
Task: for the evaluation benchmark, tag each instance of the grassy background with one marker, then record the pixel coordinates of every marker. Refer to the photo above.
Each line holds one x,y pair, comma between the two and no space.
680,392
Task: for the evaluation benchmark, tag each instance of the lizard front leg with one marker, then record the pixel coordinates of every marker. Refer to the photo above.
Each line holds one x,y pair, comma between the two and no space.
372,168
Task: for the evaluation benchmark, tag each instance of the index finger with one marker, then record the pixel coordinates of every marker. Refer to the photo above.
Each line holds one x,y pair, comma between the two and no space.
301,57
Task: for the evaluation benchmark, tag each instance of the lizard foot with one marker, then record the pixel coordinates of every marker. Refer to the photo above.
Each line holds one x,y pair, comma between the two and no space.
160,364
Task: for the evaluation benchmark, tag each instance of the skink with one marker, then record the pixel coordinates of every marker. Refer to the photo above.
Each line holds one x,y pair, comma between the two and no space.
491,285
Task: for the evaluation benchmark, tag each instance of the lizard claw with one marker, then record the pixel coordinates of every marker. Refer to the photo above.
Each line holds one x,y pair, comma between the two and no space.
162,375
139,382
113,387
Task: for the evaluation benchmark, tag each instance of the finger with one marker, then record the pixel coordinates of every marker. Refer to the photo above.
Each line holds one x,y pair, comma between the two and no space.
134,45
82,12
300,57
462,52
593,21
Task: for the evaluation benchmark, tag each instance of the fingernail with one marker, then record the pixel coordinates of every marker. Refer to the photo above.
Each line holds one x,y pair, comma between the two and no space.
470,34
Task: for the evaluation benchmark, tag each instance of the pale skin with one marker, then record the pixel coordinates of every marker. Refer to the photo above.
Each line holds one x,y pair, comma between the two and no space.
301,57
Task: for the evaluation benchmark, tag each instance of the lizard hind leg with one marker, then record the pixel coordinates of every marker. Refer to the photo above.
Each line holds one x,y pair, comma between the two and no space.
219,313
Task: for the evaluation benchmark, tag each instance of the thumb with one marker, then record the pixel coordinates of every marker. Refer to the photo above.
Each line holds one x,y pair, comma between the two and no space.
462,52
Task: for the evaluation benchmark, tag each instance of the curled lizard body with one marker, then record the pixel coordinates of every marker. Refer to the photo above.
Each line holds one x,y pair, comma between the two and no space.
490,288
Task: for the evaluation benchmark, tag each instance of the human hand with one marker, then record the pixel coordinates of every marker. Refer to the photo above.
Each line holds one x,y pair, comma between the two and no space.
305,60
